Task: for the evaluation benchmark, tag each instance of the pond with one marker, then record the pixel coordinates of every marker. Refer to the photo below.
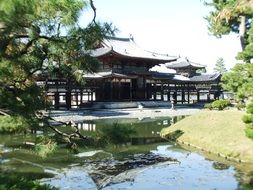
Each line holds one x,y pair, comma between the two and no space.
145,162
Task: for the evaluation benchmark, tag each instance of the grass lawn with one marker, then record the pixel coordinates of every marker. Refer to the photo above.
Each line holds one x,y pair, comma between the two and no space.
216,131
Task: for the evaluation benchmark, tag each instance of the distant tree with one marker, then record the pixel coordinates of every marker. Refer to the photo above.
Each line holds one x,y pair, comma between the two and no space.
201,71
220,66
239,80
235,16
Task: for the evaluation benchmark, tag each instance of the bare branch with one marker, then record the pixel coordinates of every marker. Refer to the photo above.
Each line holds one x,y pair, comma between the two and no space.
69,137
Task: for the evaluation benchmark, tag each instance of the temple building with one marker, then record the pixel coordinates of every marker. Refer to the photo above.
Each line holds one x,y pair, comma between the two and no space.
125,75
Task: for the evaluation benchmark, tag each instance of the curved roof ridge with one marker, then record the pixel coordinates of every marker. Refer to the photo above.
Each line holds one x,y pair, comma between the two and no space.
128,47
184,63
118,38
160,54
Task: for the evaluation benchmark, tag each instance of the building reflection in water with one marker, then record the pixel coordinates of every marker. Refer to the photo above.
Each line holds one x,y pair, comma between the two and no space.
87,126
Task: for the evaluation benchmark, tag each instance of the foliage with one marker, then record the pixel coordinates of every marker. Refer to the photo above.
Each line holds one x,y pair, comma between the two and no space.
15,182
45,146
15,124
240,106
230,16
220,66
220,104
250,108
201,71
247,54
45,41
239,80
116,133
208,106
249,132
248,119
217,104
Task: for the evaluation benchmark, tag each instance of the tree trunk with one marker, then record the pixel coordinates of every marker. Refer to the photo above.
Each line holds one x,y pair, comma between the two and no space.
242,31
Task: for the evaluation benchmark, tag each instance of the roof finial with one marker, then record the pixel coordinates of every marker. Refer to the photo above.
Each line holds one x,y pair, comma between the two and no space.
131,37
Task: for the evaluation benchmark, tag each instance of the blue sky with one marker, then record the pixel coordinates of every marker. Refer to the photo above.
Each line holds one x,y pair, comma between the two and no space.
175,27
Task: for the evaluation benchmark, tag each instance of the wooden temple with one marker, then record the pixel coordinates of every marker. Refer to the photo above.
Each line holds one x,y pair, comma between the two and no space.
124,75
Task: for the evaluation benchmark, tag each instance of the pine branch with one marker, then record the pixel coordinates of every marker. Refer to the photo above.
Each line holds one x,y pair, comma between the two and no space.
94,11
69,137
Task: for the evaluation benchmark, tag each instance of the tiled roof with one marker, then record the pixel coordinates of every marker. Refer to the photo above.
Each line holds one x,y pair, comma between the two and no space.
128,48
154,75
184,64
205,77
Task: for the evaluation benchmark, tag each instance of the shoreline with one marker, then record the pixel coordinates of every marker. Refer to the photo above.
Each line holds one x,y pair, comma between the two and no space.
82,115
220,133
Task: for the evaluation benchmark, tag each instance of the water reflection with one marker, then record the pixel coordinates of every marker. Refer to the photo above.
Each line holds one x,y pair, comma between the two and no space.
87,126
192,171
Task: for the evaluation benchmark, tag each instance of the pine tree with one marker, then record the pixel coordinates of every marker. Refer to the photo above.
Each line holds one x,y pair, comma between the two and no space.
220,66
231,16
42,37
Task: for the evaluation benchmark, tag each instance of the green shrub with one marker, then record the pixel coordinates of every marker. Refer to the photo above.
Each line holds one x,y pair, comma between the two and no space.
249,132
247,118
9,124
208,106
220,104
250,108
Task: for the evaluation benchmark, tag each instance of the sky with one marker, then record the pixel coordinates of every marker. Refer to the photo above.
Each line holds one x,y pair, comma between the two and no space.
174,27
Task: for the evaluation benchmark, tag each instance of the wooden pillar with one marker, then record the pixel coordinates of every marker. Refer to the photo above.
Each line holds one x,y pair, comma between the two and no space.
111,91
168,94
198,98
182,96
119,86
68,99
208,96
155,87
188,93
145,88
162,98
81,96
131,89
56,100
76,94
175,94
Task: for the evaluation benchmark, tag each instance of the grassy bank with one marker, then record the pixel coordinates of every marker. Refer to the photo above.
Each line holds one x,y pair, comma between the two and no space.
219,132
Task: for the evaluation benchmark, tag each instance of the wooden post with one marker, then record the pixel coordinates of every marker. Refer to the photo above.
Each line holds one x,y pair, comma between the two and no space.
162,98
168,95
56,100
208,96
155,90
198,98
182,96
175,94
111,92
81,96
145,88
188,93
119,86
76,94
68,99
131,88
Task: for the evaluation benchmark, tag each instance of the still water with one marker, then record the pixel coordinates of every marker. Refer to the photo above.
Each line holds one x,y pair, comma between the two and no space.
145,162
